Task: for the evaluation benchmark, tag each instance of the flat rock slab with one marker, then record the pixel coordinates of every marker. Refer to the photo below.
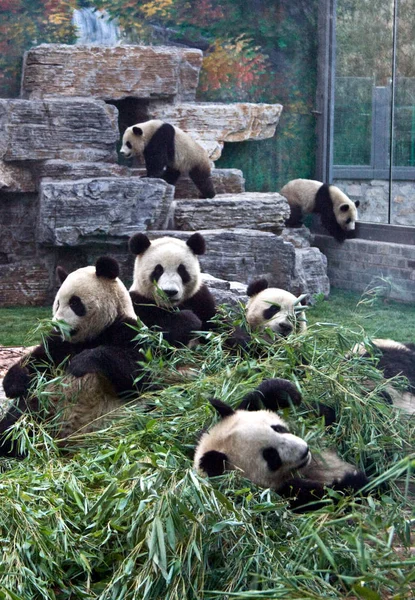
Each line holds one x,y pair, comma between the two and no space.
111,73
74,129
75,213
249,210
213,124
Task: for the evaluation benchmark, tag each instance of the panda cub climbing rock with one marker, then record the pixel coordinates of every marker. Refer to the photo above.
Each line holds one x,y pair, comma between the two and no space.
168,153
337,212
98,355
273,308
260,445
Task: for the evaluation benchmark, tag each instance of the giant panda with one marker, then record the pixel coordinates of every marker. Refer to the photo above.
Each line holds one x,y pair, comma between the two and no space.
260,445
167,290
273,308
337,212
168,153
394,359
96,350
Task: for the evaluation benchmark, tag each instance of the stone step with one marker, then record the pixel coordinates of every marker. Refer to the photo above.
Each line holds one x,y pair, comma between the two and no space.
111,73
249,210
225,181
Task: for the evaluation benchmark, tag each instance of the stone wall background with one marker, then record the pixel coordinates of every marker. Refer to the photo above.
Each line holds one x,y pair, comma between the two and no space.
374,199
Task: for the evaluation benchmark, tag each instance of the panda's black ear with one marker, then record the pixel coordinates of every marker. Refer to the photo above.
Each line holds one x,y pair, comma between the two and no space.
107,267
139,243
61,274
274,394
357,203
256,286
223,409
137,131
344,207
196,243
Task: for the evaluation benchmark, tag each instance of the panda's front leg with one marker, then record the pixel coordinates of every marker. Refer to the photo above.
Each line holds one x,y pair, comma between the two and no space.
115,364
304,494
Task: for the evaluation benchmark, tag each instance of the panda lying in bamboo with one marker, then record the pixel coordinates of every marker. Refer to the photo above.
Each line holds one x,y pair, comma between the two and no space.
260,445
274,308
99,349
394,359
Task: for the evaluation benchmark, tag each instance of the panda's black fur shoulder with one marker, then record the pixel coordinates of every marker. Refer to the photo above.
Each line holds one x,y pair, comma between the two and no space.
178,326
160,152
324,207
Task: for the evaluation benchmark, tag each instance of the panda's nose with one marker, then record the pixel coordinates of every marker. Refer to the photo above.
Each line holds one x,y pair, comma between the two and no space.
305,453
286,328
170,293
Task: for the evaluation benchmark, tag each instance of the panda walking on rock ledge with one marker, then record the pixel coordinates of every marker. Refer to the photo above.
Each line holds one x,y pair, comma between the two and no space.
337,212
168,153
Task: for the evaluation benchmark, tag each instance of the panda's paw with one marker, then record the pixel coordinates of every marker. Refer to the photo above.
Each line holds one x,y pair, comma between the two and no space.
82,363
16,381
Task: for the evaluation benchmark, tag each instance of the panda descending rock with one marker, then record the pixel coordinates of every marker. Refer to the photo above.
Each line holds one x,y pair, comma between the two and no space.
100,351
260,445
337,212
168,153
167,291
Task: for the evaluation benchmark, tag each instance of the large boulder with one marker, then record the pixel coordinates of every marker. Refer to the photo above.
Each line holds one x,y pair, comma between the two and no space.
74,129
88,211
111,73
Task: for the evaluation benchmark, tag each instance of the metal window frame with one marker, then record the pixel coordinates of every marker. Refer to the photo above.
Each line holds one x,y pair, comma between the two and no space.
324,169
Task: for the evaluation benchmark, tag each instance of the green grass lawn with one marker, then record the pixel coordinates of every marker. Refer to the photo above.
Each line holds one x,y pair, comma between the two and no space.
378,318
121,515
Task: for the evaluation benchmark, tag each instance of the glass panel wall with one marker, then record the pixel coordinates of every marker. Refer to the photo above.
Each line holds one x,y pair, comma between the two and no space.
374,108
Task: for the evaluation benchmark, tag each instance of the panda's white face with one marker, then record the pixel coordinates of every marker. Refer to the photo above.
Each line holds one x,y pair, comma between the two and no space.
274,308
257,443
137,136
88,303
344,209
167,272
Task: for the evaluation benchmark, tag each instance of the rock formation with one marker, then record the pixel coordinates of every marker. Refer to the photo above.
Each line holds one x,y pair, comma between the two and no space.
64,199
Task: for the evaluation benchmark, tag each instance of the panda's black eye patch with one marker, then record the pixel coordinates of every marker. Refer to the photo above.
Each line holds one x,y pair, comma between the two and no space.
279,428
129,145
271,311
272,457
77,306
184,273
156,273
